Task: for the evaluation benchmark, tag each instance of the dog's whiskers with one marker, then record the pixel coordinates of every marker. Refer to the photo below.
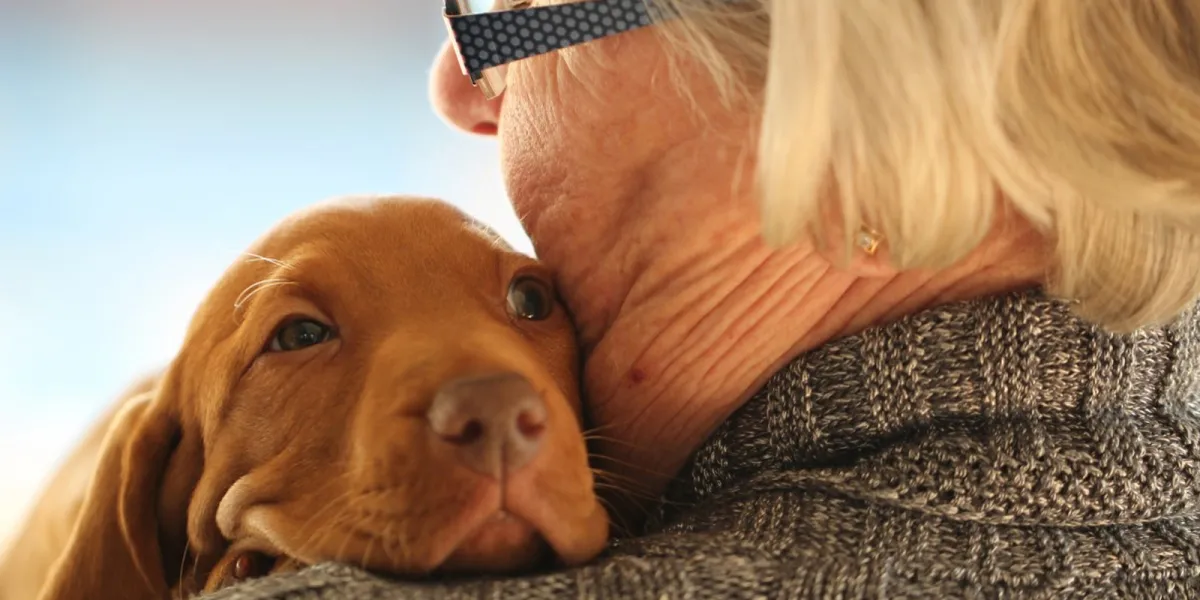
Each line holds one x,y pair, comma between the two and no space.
319,533
613,518
386,543
611,510
611,440
195,566
366,560
256,287
312,517
179,589
630,489
592,431
617,492
624,489
616,461
316,535
274,261
617,424
602,474
339,519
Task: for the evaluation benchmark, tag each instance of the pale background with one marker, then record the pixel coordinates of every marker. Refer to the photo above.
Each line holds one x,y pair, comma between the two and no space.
144,144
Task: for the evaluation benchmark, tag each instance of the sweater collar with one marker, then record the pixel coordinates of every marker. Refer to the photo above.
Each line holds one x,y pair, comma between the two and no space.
1006,409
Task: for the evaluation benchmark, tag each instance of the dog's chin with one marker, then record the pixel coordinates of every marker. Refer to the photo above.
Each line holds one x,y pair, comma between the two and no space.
501,544
479,539
494,529
529,533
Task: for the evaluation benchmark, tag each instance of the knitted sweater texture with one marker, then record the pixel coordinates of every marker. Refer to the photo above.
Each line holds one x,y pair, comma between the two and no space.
997,448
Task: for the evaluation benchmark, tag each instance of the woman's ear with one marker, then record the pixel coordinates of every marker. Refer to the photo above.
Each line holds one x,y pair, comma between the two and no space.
114,550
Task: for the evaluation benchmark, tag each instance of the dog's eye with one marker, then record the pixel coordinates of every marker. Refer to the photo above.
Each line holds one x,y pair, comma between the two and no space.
530,298
299,334
251,565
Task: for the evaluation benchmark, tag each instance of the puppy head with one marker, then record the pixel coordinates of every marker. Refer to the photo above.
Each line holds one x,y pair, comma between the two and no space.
384,383
402,395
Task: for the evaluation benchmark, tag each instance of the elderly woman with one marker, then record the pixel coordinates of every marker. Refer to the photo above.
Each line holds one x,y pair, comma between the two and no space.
881,298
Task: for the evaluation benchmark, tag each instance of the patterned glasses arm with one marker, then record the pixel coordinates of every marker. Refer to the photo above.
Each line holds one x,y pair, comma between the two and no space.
495,38
492,39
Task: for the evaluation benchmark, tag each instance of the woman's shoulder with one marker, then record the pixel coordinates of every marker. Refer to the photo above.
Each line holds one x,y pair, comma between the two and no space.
811,543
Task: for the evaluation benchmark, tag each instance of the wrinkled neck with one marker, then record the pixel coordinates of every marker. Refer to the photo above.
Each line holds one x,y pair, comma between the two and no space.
684,312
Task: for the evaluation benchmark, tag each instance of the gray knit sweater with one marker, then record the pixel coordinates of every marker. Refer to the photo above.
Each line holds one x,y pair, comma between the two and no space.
990,449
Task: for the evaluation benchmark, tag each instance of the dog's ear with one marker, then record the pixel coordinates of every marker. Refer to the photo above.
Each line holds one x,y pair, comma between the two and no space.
116,547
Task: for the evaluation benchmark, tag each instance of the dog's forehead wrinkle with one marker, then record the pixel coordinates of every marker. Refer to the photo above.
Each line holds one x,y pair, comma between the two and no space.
388,244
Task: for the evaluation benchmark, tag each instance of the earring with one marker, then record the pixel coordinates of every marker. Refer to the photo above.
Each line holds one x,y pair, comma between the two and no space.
868,240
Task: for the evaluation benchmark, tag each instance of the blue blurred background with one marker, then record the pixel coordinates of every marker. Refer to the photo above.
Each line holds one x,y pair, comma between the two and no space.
144,144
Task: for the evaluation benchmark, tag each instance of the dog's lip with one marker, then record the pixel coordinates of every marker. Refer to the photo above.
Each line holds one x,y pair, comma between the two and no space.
477,520
483,515
571,546
522,505
573,527
501,523
500,516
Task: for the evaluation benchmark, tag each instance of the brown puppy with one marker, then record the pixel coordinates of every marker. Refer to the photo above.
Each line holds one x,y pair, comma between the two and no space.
384,383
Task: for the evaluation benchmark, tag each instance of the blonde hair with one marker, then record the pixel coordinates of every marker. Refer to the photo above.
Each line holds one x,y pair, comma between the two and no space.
1085,114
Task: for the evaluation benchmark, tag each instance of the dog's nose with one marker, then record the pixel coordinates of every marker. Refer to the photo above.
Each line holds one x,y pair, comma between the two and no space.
495,422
